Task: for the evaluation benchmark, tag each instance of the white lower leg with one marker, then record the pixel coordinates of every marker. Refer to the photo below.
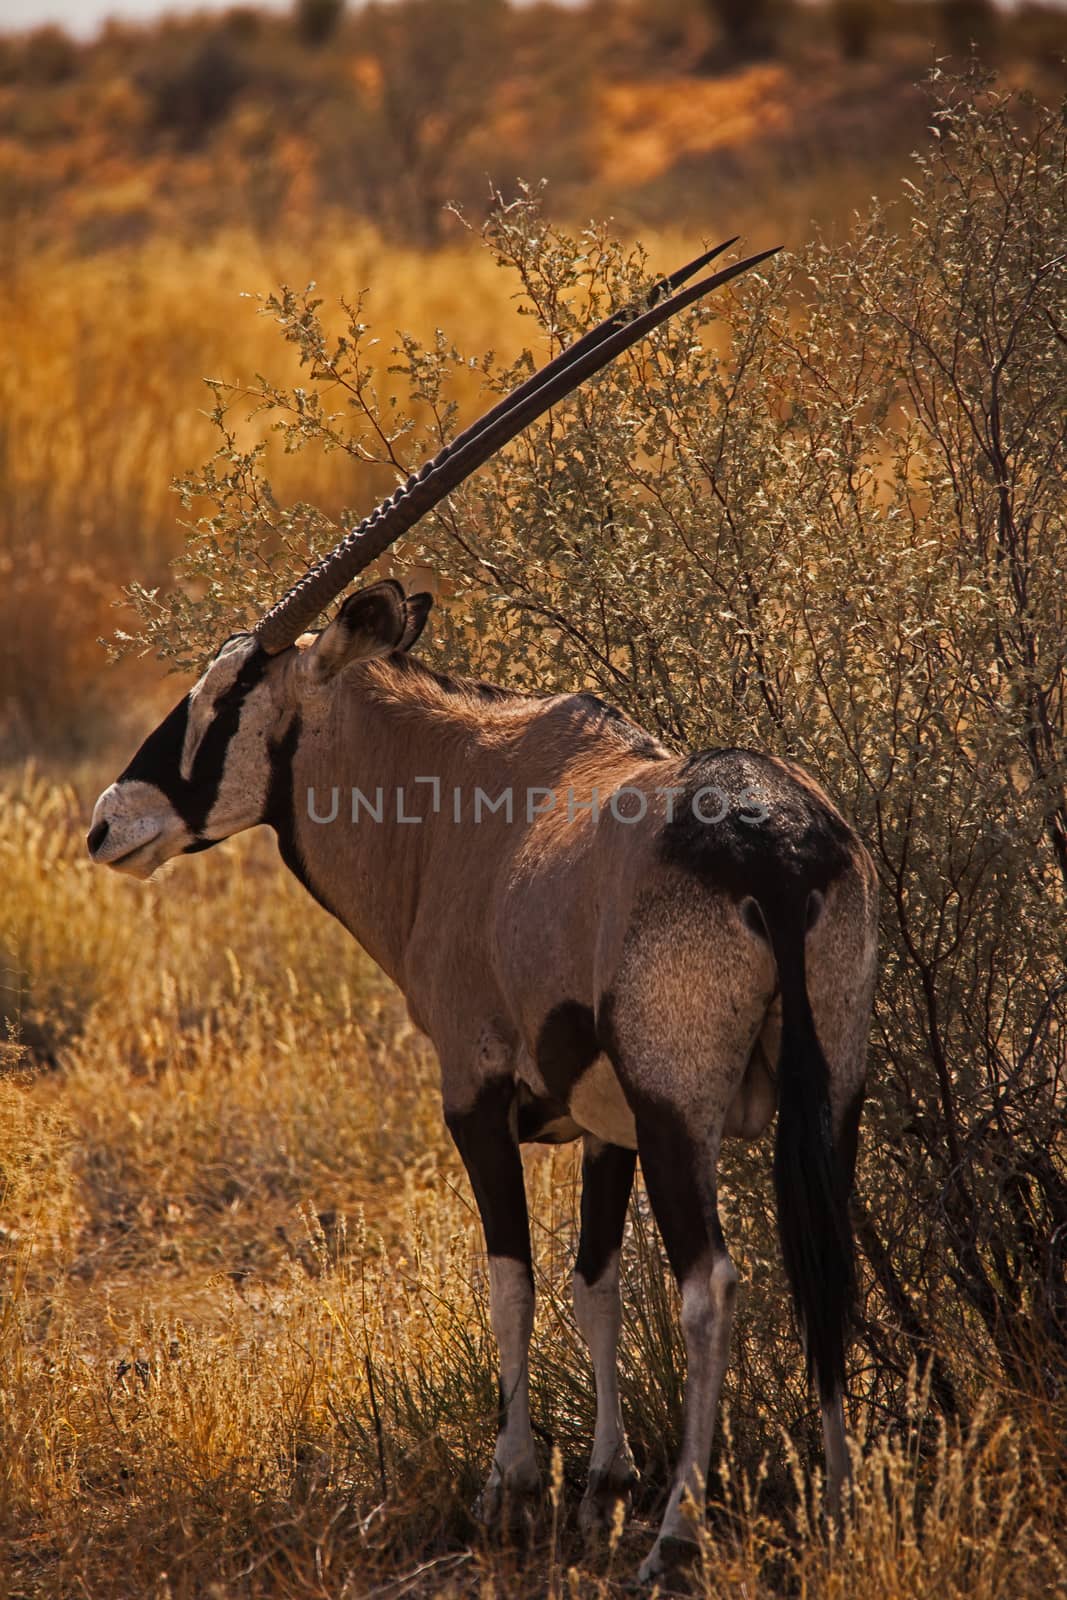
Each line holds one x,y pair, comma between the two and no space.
707,1317
598,1313
511,1301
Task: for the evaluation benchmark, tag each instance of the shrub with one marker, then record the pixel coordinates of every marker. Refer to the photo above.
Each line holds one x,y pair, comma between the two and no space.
195,89
436,63
49,56
318,20
854,23
968,25
837,534
746,27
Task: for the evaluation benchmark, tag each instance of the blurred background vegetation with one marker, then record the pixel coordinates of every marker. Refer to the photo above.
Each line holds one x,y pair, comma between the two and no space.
243,1334
151,176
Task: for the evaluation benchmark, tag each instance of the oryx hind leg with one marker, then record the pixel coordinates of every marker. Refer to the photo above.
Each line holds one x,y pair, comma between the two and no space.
484,1134
680,1024
678,1165
607,1178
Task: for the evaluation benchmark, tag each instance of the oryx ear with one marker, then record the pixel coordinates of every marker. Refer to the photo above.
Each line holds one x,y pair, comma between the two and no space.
417,607
370,623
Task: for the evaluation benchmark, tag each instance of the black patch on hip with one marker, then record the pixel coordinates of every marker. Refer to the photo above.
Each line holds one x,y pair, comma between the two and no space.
802,839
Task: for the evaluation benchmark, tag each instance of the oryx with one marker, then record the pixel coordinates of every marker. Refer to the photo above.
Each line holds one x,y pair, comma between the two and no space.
651,952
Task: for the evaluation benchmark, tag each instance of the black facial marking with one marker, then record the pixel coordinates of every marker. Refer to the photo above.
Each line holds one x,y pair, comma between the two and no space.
279,811
210,758
484,1138
567,1046
158,761
607,1178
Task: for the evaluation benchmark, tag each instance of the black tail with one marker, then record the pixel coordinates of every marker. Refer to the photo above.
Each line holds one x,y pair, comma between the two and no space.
810,1181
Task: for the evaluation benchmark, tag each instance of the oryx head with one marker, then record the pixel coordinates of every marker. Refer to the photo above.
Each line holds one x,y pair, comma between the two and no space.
206,772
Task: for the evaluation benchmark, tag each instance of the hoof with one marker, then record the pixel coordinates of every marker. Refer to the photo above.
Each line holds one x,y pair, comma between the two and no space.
508,1509
605,1492
671,1564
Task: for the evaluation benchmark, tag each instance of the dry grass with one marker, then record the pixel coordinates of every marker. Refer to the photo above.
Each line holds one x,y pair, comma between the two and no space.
244,1338
103,404
102,401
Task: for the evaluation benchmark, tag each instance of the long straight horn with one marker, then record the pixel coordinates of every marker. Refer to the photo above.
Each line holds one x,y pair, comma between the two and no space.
437,478
588,341
288,618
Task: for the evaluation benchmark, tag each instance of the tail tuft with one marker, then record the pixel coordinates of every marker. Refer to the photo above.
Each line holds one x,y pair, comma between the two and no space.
810,1185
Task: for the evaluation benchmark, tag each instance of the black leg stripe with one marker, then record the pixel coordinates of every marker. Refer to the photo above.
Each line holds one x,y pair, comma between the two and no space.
484,1139
607,1178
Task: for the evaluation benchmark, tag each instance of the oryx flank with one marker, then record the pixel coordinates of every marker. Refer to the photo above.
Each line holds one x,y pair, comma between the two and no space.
646,971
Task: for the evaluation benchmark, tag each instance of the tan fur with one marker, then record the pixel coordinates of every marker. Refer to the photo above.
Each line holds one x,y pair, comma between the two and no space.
490,926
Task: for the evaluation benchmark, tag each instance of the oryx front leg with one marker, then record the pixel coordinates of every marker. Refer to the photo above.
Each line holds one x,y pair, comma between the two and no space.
607,1178
486,1141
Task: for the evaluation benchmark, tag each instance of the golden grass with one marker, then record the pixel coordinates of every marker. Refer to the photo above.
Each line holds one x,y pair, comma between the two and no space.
102,362
244,1345
102,399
